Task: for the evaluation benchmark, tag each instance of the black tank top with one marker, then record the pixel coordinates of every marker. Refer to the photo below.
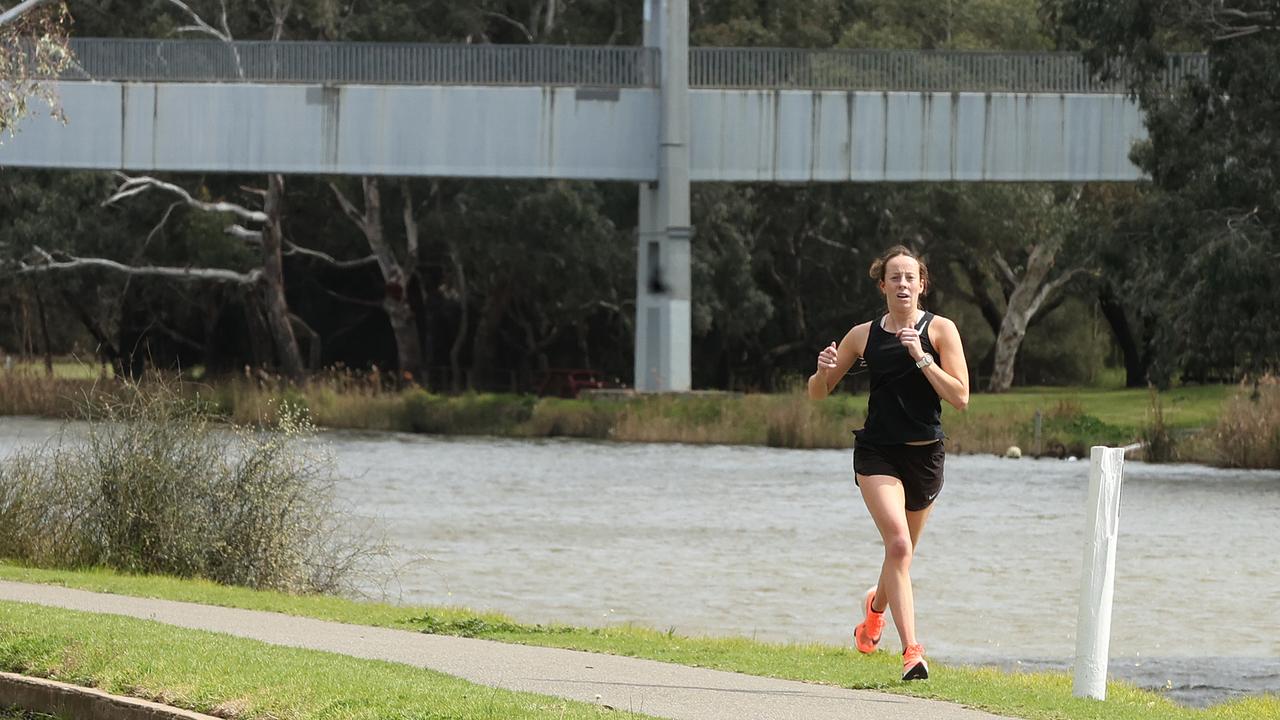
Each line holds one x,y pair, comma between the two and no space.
903,407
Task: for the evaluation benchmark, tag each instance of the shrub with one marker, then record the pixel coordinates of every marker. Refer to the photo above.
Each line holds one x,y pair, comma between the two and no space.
155,485
465,414
555,417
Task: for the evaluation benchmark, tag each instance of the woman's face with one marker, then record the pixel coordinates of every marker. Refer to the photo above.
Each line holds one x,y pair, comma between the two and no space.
901,285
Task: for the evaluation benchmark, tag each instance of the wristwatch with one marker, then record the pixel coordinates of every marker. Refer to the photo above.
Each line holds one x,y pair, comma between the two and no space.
924,361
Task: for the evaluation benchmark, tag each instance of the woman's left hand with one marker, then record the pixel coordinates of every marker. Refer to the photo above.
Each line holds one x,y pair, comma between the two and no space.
910,339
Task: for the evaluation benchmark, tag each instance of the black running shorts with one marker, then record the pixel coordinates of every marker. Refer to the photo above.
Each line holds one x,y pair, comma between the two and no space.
919,467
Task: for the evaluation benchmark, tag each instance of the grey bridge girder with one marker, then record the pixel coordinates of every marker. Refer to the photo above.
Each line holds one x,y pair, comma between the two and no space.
468,131
576,133
846,136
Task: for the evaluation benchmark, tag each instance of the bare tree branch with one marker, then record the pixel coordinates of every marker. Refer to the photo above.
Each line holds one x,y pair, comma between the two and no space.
1009,276
348,207
133,186
1049,288
410,226
200,24
292,248
512,21
295,249
226,29
279,14
244,233
49,263
203,27
832,243
550,23
163,219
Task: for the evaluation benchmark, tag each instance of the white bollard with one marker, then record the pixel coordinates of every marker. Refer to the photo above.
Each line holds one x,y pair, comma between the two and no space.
1098,574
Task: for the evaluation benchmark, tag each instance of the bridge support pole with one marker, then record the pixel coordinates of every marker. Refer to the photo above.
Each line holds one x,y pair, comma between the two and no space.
663,276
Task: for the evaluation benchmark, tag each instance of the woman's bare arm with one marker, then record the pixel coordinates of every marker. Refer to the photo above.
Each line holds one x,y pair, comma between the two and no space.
950,379
834,362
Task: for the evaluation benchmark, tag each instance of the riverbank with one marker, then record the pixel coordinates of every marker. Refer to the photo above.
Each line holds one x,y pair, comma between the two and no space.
172,665
1214,425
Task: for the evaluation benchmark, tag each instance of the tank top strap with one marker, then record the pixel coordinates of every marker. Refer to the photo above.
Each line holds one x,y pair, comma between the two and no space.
923,324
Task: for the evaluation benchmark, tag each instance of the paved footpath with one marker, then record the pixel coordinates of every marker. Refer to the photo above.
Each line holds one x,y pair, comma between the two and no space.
642,686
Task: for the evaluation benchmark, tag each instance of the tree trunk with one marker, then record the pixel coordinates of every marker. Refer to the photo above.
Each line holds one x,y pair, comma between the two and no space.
484,344
464,319
986,305
395,281
44,330
106,350
277,308
314,353
405,328
1012,332
1026,299
209,319
260,342
1136,362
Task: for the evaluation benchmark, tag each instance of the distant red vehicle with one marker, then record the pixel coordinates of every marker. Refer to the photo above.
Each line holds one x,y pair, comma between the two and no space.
567,383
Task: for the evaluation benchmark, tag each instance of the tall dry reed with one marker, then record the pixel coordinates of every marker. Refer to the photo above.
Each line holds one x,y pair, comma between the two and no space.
1247,434
31,393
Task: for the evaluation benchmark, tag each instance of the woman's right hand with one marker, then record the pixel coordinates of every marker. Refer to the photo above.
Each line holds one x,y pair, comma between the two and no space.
827,359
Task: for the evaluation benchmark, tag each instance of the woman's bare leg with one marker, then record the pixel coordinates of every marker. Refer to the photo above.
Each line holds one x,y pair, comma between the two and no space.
900,531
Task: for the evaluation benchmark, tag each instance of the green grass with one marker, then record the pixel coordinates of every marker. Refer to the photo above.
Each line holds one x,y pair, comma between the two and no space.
1184,407
228,676
1027,695
63,369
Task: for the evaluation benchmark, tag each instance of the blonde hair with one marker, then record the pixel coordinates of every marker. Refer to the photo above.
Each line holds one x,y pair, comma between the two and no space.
878,267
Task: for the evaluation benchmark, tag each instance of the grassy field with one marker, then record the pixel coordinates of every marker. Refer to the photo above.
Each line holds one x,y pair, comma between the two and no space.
1072,418
1127,408
63,369
1025,695
233,677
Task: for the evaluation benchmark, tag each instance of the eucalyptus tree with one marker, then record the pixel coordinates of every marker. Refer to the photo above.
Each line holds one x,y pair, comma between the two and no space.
33,49
1007,249
1210,237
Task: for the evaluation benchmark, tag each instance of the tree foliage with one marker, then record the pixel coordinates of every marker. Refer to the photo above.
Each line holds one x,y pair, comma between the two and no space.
33,49
1206,234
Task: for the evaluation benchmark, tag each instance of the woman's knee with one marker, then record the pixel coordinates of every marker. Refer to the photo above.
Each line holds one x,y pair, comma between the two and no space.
898,548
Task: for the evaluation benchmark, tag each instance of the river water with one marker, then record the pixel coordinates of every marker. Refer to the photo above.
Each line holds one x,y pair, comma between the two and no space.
776,544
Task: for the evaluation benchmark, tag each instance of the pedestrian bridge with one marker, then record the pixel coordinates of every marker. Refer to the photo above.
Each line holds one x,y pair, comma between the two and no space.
662,115
583,113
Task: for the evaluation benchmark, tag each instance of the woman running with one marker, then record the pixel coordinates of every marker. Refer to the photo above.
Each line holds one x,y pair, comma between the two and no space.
915,359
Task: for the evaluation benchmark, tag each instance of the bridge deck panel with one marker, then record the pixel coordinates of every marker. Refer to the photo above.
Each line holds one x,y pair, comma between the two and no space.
582,133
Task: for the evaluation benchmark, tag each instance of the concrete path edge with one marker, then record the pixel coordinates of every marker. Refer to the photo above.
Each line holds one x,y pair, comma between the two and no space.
63,700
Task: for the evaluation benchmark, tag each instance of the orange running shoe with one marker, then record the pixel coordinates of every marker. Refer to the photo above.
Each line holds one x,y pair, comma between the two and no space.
913,665
867,635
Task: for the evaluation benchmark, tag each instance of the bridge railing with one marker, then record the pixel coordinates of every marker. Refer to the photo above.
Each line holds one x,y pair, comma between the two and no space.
915,70
709,67
360,63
